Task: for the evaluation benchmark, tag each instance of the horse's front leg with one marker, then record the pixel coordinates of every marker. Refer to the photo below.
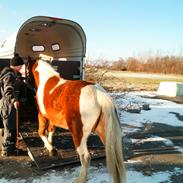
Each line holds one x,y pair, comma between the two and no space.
43,126
51,130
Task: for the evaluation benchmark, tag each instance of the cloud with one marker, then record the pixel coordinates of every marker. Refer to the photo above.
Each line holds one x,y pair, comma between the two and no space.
2,31
2,34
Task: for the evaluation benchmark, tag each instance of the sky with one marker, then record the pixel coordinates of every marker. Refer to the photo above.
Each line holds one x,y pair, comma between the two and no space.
114,28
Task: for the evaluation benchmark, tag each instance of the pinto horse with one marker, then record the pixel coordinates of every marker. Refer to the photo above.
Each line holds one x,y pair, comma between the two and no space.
82,108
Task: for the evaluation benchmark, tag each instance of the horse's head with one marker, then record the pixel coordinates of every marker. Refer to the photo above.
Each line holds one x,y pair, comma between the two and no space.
32,74
29,74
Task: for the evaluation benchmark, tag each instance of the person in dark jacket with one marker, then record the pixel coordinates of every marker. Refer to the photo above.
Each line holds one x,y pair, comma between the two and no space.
9,103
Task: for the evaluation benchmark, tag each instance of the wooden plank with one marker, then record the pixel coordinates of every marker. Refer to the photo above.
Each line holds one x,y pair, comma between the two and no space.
66,153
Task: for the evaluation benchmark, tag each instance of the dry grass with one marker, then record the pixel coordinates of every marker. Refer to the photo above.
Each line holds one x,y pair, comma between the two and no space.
127,81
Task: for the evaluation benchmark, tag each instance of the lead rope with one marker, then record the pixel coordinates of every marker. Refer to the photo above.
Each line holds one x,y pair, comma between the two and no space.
17,127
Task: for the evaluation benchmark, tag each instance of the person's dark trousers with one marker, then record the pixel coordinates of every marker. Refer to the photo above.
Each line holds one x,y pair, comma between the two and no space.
8,115
1,137
1,132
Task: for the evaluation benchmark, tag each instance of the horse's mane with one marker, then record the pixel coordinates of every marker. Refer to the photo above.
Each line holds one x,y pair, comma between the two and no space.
49,68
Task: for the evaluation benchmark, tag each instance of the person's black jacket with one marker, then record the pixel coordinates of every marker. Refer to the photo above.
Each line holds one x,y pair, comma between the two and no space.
9,88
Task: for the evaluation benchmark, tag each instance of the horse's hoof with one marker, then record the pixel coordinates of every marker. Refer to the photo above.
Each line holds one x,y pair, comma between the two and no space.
54,152
75,181
79,181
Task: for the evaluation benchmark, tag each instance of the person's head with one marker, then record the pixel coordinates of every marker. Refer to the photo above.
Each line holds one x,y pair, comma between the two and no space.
16,62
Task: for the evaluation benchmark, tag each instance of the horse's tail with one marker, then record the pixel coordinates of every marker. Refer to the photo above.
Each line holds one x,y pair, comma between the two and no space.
113,140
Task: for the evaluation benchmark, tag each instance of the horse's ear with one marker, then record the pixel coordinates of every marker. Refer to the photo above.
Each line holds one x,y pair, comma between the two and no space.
29,63
28,59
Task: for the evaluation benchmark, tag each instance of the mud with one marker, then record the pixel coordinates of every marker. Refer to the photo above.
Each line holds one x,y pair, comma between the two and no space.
149,156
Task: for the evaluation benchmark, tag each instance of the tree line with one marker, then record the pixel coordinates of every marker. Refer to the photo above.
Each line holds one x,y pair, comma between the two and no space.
165,65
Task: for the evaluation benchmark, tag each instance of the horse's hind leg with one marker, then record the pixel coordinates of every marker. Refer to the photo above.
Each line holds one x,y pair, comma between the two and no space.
100,129
84,159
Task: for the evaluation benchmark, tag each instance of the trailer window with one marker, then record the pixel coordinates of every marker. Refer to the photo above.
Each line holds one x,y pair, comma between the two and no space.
55,47
38,48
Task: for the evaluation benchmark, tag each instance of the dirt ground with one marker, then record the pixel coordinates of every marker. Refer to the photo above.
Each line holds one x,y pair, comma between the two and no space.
161,160
22,167
14,167
151,159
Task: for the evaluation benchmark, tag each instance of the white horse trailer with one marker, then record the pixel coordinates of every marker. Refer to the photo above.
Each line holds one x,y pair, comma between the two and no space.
65,41
62,39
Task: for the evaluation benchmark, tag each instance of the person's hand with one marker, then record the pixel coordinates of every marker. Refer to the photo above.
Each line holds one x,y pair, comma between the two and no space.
16,104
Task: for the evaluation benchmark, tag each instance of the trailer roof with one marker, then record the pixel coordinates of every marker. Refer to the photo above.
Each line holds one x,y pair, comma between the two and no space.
68,37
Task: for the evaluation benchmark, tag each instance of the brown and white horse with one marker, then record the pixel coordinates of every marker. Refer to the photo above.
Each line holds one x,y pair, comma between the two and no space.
82,108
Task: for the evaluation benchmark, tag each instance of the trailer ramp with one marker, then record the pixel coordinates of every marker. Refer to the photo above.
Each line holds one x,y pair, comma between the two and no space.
66,153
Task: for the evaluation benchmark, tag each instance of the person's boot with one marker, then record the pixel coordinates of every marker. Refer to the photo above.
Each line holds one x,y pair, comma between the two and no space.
12,152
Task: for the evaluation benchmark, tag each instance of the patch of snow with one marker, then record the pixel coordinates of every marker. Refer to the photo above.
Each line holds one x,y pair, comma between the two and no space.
138,177
153,139
133,161
101,176
161,110
180,149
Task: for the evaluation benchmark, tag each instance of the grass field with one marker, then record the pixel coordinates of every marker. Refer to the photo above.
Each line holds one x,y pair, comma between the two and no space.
128,81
